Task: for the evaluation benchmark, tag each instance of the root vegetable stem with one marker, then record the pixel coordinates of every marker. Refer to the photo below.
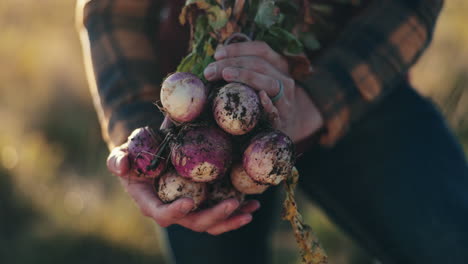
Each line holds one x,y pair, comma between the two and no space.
310,248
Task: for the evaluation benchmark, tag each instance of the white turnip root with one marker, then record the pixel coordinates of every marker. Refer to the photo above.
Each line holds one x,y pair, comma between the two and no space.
202,153
269,157
172,186
183,96
244,183
236,108
143,144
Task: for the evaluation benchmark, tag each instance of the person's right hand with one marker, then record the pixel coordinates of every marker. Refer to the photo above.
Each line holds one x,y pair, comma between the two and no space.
226,216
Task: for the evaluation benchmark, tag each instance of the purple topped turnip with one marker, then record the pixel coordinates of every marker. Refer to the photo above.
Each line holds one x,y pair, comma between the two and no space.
172,186
202,153
183,96
244,183
236,108
143,144
269,157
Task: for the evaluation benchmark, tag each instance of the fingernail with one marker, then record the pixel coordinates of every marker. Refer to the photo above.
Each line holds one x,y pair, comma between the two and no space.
210,71
220,54
257,205
230,73
185,208
118,164
245,220
263,98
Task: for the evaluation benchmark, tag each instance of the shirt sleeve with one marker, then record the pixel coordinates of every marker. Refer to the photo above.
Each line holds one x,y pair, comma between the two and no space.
119,50
368,60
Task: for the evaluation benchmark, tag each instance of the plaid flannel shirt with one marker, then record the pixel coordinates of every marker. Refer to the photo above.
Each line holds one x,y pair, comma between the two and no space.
126,57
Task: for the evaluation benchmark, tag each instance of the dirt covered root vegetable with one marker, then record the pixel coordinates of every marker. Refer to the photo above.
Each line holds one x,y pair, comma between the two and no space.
202,153
244,183
222,190
269,157
183,96
236,108
143,144
172,186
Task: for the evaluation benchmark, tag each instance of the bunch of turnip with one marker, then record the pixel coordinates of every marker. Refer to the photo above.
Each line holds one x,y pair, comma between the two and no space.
217,147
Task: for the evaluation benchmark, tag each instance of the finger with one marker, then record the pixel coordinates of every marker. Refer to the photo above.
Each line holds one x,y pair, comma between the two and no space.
252,63
214,70
118,162
233,223
252,48
255,80
252,71
142,193
266,102
270,110
203,220
255,73
249,207
151,206
169,214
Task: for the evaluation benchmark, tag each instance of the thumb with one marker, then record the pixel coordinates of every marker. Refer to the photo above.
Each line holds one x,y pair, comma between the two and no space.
118,162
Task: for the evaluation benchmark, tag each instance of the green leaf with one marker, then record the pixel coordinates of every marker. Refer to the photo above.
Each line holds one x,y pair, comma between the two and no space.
288,7
217,18
200,2
285,40
272,40
201,29
252,7
200,67
267,14
309,40
187,63
188,2
322,8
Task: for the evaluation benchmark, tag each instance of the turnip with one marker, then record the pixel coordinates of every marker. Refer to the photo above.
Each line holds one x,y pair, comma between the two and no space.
202,153
244,183
222,190
172,186
183,96
269,157
143,146
236,108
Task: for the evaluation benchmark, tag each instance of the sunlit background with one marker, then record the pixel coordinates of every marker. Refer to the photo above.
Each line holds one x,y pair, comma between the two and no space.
57,201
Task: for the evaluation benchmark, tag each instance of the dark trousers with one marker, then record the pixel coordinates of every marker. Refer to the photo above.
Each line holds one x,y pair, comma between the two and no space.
397,183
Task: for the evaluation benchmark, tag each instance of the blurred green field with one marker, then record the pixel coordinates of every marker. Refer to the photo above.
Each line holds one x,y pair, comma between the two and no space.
57,201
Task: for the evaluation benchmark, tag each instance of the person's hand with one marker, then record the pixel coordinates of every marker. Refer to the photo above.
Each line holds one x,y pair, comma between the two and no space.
224,217
260,67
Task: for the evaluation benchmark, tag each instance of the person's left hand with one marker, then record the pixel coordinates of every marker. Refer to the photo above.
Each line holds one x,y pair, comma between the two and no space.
260,67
